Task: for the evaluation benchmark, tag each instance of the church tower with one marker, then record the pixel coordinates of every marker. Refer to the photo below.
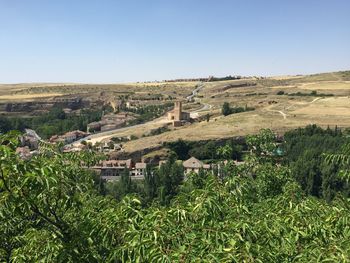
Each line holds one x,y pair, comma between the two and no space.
177,110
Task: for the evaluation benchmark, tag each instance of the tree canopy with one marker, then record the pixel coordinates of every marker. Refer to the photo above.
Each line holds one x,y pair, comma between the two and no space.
52,211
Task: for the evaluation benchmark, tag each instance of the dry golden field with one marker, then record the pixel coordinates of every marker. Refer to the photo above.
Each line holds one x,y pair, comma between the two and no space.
20,97
278,112
12,92
327,85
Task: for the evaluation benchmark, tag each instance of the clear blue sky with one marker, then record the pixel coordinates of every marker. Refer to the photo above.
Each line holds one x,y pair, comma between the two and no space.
104,41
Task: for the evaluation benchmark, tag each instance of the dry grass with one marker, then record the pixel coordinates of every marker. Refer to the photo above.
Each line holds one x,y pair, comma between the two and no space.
239,124
160,84
335,107
285,77
299,111
327,85
27,96
28,91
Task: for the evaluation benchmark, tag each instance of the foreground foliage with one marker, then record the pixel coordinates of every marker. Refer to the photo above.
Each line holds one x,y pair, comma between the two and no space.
51,212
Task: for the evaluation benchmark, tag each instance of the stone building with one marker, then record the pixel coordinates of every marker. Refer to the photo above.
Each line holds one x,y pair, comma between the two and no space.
177,115
110,121
194,165
31,139
140,169
68,137
111,169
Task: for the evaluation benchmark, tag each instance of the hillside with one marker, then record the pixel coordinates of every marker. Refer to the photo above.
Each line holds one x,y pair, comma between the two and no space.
280,103
321,99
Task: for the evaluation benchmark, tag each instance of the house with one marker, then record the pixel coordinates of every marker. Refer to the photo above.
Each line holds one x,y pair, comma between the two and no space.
68,137
31,139
140,169
118,147
194,165
112,168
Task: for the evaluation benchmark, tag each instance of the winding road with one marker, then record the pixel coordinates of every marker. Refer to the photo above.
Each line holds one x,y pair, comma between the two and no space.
163,119
195,92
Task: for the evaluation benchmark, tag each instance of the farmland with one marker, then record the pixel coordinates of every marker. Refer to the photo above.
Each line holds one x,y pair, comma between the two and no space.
280,103
278,112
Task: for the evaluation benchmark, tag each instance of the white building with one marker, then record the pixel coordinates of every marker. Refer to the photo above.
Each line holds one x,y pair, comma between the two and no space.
194,165
140,169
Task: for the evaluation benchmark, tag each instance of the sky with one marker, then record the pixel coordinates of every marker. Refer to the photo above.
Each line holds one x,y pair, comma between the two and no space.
102,41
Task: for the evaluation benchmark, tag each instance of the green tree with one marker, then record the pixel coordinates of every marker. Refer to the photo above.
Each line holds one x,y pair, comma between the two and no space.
5,125
207,117
262,145
225,152
51,212
47,207
57,113
226,110
150,184
304,148
126,184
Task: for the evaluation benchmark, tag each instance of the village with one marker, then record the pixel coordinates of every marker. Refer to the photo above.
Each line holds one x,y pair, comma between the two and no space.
175,131
133,127
115,162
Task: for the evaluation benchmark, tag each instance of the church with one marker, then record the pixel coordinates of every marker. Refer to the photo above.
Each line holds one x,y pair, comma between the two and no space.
177,115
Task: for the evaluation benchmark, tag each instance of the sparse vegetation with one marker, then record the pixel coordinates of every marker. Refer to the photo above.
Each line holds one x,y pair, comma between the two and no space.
149,112
312,93
159,130
227,110
54,122
206,150
224,78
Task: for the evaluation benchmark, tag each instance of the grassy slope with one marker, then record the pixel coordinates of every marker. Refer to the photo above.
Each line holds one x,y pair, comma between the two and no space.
298,111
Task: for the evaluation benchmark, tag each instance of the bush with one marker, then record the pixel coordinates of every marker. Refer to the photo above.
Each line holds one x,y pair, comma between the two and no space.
227,110
133,137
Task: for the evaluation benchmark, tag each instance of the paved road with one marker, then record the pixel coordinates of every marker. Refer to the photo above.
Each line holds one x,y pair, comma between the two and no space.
205,107
194,114
111,132
158,120
195,92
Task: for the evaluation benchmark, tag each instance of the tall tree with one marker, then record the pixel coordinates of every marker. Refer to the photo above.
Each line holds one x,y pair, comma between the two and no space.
150,184
226,110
